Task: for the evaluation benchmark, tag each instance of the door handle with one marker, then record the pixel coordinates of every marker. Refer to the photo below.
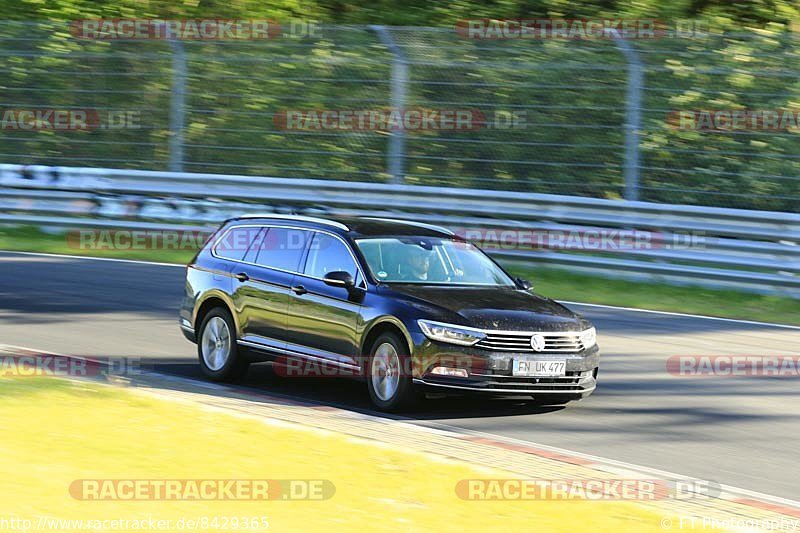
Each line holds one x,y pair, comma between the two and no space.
299,289
241,276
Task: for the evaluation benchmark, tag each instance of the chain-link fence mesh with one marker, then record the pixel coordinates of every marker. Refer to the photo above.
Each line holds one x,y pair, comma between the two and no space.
554,111
751,168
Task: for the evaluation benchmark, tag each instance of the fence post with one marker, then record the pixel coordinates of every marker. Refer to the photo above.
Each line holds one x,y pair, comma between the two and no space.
177,102
395,158
633,115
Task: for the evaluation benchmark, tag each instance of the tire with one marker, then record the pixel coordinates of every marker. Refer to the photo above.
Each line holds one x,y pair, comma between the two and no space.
220,360
387,358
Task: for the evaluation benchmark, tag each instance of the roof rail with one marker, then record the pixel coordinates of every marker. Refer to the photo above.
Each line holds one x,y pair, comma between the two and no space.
302,218
413,223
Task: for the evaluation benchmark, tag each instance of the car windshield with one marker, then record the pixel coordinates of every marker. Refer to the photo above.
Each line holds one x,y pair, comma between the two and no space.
430,261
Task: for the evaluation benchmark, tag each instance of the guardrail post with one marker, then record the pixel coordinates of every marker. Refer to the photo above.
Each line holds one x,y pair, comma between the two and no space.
395,158
177,103
633,115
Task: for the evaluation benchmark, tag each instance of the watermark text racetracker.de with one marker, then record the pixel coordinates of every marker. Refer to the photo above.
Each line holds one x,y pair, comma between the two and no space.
106,239
193,29
44,522
67,119
612,489
734,365
734,523
586,239
406,119
238,239
31,365
734,120
201,489
580,29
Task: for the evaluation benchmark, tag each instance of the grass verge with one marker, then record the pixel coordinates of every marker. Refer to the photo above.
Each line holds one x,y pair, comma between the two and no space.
56,432
555,283
561,285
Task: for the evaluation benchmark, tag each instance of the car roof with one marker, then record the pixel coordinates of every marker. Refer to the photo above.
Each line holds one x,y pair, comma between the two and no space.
361,226
373,226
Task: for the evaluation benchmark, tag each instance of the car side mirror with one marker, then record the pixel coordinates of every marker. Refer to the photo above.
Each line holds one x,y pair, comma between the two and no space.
524,284
339,278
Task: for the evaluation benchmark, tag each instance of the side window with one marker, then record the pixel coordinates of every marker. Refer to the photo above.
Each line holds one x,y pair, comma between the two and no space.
252,252
282,248
329,254
234,243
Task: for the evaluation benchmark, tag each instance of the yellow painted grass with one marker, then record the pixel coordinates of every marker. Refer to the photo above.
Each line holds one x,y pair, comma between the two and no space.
53,432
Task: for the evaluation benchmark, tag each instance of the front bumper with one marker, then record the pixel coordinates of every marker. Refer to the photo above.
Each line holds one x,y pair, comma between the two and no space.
188,330
575,386
491,372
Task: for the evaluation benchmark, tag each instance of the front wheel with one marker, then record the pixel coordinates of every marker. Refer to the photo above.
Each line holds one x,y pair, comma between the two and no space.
217,350
389,379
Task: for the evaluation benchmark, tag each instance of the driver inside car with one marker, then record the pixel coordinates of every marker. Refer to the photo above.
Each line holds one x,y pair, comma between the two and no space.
417,265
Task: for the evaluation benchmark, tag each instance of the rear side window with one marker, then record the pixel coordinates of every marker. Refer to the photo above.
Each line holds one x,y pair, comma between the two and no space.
282,248
252,252
328,254
235,242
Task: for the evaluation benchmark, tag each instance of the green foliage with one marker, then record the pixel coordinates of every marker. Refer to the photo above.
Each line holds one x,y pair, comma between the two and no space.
572,91
406,13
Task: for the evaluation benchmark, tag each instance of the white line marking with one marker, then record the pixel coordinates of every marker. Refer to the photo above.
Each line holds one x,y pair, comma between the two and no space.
634,309
659,474
68,256
10,347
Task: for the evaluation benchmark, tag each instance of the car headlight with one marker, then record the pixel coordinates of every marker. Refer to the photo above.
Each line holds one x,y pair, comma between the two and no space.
589,338
451,333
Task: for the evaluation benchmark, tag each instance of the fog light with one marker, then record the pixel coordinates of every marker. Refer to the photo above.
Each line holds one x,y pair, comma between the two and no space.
455,372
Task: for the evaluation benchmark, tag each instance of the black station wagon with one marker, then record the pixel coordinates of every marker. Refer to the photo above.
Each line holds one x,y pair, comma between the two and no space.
410,308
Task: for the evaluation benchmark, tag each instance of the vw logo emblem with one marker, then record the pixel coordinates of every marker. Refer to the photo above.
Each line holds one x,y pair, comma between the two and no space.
537,343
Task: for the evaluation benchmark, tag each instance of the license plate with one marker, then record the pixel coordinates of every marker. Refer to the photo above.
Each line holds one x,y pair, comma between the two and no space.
522,367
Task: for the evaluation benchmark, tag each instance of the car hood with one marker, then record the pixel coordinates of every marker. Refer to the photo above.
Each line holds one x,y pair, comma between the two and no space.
498,309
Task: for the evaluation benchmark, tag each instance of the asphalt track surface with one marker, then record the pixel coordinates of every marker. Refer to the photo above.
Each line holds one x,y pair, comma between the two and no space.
739,431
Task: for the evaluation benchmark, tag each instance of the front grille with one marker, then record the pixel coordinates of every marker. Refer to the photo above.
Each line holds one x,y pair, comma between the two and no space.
521,342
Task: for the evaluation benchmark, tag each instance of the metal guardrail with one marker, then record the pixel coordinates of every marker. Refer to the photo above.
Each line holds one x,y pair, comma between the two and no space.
749,250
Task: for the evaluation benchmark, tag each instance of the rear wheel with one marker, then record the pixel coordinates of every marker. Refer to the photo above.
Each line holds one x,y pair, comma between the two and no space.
389,379
220,359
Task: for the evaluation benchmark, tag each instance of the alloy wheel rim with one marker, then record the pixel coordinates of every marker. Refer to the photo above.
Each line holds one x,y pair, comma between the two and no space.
216,343
385,373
